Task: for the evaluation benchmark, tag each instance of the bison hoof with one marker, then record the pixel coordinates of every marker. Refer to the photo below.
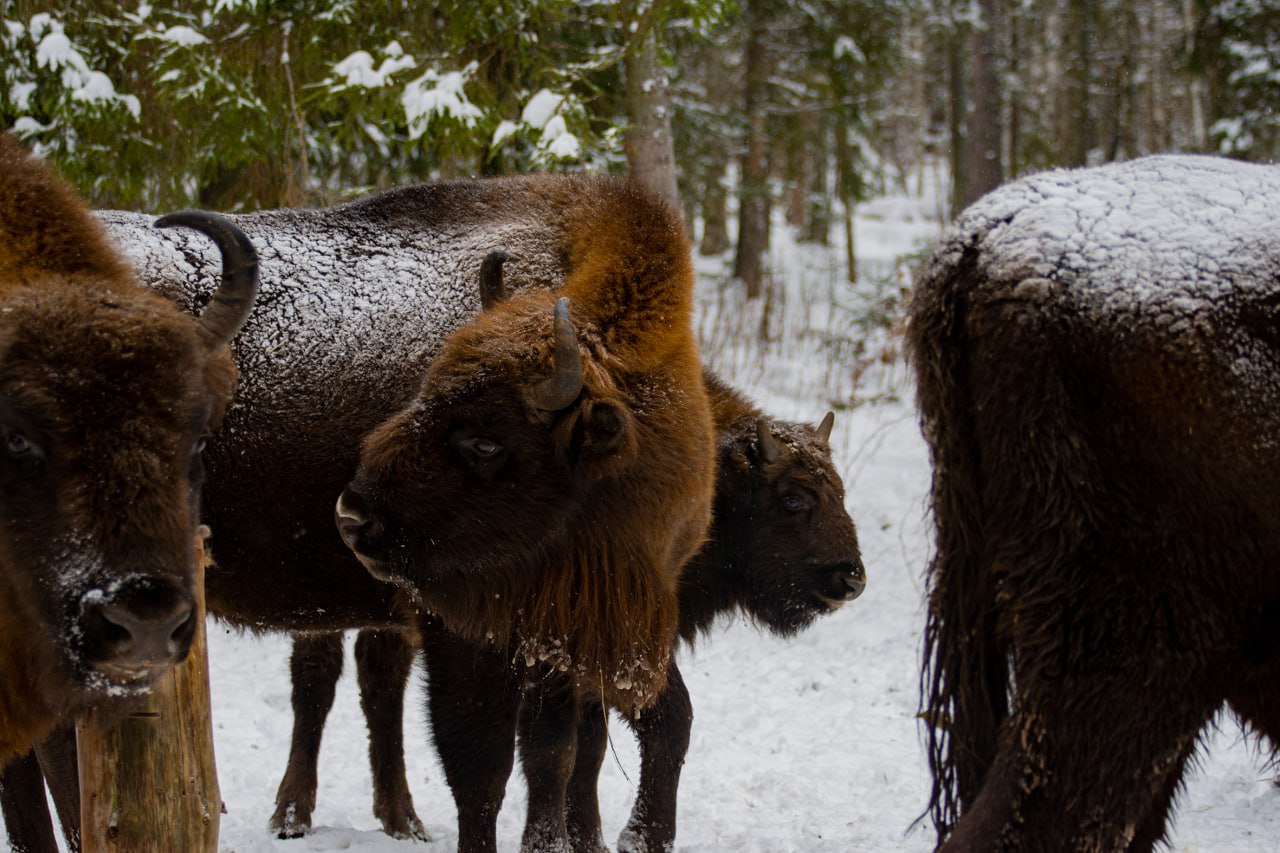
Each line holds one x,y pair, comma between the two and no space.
290,822
406,829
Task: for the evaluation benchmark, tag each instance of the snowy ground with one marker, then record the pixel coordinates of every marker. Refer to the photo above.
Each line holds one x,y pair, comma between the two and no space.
807,745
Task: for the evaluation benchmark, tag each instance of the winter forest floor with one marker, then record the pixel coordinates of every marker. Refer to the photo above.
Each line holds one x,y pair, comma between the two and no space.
802,745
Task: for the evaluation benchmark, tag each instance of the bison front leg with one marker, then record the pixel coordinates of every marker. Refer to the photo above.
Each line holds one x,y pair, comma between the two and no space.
60,764
663,731
26,811
582,806
315,667
384,660
472,701
549,714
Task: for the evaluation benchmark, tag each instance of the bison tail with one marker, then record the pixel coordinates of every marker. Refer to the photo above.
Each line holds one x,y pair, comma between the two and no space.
965,672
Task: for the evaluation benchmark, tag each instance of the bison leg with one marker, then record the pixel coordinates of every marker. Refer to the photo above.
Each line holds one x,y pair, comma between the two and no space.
582,805
384,660
472,700
548,748
1086,764
315,667
1153,830
26,811
61,768
663,731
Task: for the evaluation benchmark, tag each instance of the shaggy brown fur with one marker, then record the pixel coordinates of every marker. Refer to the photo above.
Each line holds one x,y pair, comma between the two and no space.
570,535
1107,502
781,548
105,393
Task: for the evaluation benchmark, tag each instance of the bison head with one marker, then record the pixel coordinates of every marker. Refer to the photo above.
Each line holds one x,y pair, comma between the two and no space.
106,394
483,467
782,537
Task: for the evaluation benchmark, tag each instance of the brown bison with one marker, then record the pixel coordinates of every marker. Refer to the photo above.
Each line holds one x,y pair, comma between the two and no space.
356,305
545,502
1099,384
781,548
106,394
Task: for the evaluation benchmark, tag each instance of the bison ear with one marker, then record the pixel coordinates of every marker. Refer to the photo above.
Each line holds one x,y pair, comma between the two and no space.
492,288
601,437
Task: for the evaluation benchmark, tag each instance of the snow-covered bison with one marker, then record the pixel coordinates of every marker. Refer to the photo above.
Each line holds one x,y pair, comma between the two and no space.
1098,362
106,394
539,474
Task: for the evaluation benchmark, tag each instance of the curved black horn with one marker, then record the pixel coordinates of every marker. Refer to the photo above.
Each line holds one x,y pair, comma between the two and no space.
565,383
492,288
233,300
770,450
824,428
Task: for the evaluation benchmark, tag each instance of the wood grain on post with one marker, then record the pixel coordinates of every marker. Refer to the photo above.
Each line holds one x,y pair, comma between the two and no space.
148,780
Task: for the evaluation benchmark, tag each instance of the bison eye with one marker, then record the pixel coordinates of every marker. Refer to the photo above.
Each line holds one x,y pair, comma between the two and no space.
18,446
482,447
199,445
794,503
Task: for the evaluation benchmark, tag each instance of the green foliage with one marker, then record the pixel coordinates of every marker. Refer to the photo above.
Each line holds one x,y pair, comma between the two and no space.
1240,54
251,103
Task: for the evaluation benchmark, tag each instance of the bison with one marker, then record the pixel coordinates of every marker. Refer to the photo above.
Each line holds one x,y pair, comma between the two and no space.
600,492
107,392
551,512
781,549
1098,373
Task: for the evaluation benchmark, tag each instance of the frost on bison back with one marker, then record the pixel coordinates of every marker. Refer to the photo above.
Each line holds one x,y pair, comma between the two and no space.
1099,383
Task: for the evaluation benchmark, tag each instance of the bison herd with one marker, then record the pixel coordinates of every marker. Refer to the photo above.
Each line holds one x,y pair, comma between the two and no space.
469,421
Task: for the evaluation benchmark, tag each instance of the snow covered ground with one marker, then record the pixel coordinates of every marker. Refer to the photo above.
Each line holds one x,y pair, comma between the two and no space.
804,745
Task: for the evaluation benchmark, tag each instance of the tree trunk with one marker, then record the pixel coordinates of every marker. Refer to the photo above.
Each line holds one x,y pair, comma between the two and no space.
648,142
848,196
1076,125
147,780
753,207
985,171
957,112
715,207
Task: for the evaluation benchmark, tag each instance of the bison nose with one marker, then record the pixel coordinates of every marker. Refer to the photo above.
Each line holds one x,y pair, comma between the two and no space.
850,580
357,526
855,582
138,633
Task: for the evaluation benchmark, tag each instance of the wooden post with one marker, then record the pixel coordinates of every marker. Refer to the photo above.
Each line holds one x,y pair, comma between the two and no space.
147,780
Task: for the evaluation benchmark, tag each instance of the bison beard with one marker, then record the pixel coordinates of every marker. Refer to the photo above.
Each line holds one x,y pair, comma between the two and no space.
1099,385
105,393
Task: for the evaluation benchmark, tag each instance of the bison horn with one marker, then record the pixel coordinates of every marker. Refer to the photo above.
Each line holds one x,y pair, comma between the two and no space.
824,428
565,383
233,300
492,288
770,450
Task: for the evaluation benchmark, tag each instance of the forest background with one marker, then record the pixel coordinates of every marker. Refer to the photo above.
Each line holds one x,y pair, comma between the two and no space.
733,109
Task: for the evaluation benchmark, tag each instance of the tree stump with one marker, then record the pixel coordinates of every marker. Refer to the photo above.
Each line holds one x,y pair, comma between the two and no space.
148,780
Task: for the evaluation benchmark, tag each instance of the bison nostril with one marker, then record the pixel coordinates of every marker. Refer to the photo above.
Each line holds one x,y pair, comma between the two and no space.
351,518
359,528
131,639
854,585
